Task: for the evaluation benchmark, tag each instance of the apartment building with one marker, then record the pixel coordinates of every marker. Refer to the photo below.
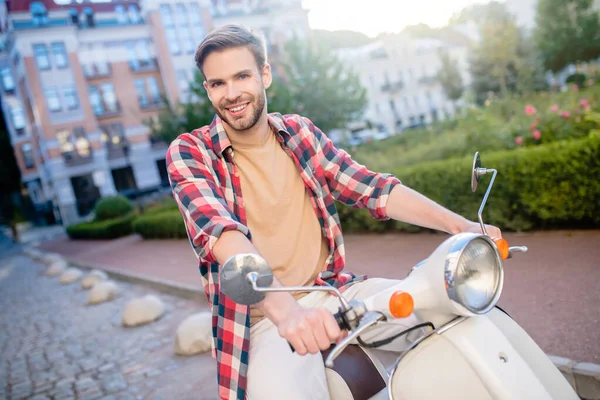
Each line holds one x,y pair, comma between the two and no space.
80,79
399,73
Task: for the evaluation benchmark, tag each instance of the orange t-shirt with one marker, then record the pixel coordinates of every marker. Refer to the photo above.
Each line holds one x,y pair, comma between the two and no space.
283,223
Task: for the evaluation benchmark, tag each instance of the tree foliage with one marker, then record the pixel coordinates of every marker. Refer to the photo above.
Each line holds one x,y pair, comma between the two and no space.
449,76
567,31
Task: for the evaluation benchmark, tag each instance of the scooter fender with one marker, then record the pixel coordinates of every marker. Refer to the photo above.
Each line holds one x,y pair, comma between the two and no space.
486,357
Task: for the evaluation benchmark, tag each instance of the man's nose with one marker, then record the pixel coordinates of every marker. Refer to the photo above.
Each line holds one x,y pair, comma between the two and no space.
233,92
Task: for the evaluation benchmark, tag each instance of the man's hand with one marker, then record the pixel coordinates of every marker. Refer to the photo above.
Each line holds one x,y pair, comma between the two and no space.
476,228
309,330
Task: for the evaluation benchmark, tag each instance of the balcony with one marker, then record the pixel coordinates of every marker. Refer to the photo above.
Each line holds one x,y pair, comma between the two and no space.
107,110
72,158
143,65
94,71
428,80
114,152
151,104
157,143
392,86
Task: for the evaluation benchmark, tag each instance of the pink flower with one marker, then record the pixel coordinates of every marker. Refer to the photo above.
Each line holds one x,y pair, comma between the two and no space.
575,88
532,127
590,82
554,108
565,114
584,103
529,110
537,135
518,140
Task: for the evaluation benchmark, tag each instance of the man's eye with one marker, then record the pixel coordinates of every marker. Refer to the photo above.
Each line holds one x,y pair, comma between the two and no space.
244,76
216,84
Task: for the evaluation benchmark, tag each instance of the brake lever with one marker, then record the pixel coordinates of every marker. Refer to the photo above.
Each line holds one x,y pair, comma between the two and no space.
369,319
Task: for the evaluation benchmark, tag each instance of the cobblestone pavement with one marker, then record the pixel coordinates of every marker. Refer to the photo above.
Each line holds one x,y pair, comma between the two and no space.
53,345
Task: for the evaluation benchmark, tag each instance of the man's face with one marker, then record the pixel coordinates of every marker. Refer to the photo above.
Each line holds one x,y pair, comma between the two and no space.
236,86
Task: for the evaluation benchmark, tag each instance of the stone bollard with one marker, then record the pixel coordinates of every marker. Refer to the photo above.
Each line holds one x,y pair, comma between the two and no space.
92,278
70,275
143,310
103,291
194,334
57,267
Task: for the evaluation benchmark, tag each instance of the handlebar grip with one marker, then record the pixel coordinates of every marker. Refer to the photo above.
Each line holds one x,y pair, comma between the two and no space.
340,318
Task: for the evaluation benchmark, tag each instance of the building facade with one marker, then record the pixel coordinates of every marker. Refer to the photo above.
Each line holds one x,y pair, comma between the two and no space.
80,80
399,73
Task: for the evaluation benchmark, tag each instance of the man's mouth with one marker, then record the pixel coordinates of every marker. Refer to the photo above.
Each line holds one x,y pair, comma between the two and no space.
238,109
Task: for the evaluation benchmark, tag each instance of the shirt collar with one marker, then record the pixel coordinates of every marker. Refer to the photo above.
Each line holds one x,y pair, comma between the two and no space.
220,141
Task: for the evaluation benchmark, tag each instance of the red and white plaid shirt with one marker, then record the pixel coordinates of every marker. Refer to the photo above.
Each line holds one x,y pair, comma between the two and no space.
206,185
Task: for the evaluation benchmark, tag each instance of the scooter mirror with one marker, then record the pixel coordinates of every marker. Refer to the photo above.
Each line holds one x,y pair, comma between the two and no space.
234,278
474,175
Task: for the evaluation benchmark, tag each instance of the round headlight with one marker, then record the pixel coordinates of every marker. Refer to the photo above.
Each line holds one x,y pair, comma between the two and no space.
474,274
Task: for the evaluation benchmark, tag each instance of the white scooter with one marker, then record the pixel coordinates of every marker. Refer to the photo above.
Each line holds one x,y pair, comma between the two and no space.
465,348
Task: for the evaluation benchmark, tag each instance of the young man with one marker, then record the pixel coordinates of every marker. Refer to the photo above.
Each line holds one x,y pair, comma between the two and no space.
266,184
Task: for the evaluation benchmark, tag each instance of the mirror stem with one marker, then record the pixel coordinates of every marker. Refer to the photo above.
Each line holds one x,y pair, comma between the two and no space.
483,171
253,278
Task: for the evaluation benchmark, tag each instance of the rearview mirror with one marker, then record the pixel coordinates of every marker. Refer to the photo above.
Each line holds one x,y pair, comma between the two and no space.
475,176
234,278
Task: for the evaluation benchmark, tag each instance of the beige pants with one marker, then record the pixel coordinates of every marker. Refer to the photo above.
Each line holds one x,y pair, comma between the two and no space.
274,372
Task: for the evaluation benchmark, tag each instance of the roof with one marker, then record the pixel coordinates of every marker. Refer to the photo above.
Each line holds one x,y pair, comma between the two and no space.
23,5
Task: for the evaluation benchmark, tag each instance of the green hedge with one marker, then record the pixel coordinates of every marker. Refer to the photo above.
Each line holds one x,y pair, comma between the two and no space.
546,186
166,225
108,229
111,207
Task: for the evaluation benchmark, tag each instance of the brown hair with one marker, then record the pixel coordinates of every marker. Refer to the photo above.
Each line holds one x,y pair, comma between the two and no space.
231,36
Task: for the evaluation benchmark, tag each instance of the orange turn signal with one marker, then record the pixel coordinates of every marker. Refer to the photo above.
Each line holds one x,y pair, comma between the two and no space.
502,246
401,304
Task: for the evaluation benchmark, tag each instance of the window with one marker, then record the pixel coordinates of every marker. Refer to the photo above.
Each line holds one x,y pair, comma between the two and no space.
96,100
180,14
8,83
109,96
167,16
70,97
140,88
60,55
134,14
40,52
195,14
39,13
121,14
89,16
27,153
172,40
74,16
134,63
73,144
198,32
52,99
18,118
182,80
188,44
153,89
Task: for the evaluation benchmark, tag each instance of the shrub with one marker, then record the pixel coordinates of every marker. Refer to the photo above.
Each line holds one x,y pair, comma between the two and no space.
577,78
106,229
112,207
546,186
166,225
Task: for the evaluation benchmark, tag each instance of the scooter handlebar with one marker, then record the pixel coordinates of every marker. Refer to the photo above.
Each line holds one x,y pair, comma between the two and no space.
340,318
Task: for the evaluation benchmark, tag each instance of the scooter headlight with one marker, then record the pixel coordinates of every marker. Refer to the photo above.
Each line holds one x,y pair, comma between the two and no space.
474,274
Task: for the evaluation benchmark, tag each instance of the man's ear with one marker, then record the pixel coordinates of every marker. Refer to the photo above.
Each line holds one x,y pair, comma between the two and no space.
206,88
267,77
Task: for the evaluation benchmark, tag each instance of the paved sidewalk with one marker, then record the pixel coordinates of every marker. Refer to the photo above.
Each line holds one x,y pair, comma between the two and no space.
54,345
552,290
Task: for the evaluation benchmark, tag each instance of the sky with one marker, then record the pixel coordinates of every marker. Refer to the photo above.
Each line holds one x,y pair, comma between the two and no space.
375,16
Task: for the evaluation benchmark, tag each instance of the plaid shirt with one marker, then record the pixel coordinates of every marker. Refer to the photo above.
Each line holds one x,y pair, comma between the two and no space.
206,186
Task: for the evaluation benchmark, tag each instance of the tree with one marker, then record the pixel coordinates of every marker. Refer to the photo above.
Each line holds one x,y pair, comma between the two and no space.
340,39
449,77
566,32
322,87
499,43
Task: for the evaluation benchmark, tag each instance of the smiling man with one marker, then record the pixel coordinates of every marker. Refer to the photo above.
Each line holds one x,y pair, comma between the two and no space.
264,183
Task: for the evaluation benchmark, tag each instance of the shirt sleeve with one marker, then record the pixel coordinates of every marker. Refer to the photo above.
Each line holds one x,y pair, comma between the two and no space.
200,199
350,182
